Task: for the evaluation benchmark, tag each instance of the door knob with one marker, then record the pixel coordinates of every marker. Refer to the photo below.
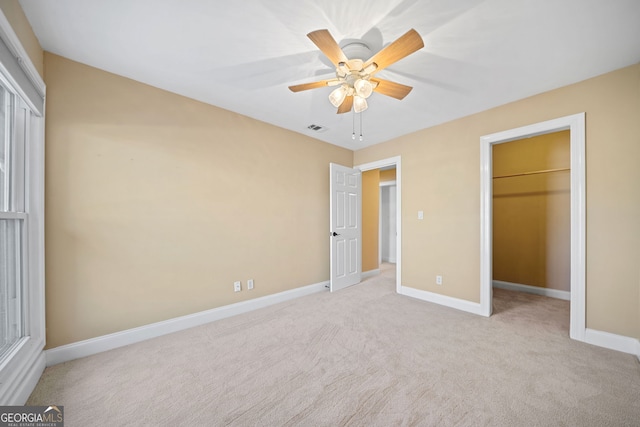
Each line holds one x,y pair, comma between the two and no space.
334,234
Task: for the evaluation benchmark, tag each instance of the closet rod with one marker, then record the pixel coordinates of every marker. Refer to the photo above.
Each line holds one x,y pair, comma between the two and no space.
532,173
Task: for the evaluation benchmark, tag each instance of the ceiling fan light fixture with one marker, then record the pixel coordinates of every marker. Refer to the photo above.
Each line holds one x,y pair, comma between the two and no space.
338,95
342,70
355,64
359,104
370,68
363,88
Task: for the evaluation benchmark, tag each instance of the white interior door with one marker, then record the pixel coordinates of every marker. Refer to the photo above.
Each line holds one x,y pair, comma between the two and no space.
345,226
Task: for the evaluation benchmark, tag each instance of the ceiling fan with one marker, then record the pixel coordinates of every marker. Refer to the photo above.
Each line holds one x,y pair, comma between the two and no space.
354,77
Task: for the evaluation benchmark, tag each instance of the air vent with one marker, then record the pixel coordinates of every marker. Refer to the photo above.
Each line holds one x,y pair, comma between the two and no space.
316,128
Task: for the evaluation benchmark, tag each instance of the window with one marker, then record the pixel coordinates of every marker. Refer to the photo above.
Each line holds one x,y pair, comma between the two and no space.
22,328
12,220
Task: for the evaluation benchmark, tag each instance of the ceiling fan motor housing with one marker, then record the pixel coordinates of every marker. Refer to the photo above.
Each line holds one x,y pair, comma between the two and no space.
357,50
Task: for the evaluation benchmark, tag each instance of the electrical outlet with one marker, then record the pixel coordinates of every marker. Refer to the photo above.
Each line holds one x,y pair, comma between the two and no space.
237,286
438,280
250,284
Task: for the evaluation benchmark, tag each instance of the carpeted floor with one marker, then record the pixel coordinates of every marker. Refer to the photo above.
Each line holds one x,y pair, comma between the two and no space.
364,356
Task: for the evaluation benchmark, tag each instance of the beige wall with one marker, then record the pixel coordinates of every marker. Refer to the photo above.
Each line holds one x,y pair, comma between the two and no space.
531,213
370,218
157,203
142,186
441,175
16,17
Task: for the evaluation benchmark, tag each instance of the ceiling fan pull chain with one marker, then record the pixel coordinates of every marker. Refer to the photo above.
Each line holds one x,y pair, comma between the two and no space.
353,125
361,137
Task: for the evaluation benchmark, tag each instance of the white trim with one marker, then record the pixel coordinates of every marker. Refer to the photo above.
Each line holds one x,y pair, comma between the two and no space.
12,41
21,383
576,125
547,292
486,231
387,183
20,373
379,224
397,162
131,336
458,304
613,341
23,61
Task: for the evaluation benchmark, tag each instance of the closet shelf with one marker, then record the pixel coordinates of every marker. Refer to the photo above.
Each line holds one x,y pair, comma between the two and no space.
532,173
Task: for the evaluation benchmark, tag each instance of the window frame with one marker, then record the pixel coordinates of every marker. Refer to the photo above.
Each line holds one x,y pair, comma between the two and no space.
21,370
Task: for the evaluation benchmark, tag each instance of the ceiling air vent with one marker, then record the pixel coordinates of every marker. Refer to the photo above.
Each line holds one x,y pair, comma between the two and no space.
316,128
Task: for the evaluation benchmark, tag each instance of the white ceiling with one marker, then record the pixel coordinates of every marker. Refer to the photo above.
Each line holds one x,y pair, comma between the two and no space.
242,55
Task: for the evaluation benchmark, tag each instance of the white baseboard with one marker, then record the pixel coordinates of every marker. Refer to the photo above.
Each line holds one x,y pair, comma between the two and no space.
130,336
553,293
17,389
29,382
613,341
458,304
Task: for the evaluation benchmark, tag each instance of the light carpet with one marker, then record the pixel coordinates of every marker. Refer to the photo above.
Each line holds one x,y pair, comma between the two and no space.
364,356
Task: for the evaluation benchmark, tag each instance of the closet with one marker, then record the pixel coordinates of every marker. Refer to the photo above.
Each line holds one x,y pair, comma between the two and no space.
531,215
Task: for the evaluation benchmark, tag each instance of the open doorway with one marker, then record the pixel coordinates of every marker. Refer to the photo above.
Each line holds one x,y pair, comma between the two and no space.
575,124
387,248
531,223
384,168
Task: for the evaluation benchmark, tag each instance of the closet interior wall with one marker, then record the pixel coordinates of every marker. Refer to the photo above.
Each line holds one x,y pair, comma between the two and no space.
531,211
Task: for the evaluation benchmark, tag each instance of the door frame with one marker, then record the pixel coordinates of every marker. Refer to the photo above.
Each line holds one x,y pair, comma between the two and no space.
576,126
397,162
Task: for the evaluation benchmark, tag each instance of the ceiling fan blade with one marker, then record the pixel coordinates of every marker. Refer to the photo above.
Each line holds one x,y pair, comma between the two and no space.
313,85
404,46
346,105
392,89
327,44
